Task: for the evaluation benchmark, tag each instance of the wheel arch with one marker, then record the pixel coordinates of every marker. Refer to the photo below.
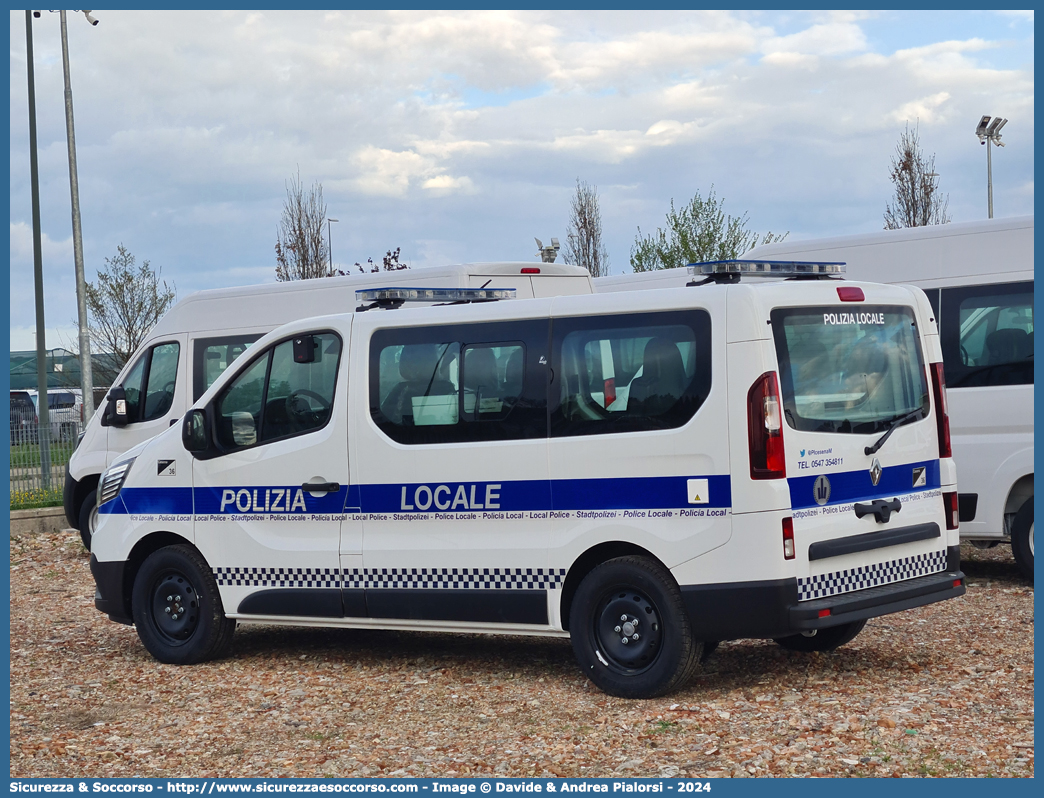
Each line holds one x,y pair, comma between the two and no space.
142,549
80,493
588,561
1019,493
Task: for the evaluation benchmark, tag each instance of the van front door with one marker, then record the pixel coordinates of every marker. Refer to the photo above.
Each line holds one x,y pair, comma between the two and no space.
156,395
269,505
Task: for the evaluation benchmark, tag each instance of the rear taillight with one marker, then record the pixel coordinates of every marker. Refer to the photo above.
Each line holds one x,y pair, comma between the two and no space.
942,414
765,429
530,270
951,507
788,538
610,391
850,293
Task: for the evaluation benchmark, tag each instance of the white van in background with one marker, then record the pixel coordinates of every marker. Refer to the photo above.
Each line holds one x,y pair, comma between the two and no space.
206,331
979,279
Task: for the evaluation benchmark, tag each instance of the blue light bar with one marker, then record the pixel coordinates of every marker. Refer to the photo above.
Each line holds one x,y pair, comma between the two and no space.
767,268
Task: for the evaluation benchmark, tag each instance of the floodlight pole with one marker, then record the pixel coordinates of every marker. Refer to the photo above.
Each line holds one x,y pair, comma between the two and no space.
329,242
43,426
989,176
86,373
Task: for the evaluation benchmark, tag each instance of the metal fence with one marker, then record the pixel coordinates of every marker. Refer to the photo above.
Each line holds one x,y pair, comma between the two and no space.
30,485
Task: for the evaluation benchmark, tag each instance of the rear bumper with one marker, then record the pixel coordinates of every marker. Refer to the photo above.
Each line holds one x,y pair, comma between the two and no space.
770,609
109,594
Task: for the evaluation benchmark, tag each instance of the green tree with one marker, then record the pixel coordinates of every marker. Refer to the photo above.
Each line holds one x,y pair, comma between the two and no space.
698,231
123,304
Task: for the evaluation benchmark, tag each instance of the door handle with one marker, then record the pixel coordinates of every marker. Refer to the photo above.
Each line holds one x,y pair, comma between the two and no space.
879,508
321,487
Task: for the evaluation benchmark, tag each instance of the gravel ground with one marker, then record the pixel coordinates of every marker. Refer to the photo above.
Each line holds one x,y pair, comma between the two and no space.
944,690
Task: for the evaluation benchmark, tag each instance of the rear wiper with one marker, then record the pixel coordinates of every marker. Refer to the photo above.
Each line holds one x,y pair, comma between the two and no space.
918,413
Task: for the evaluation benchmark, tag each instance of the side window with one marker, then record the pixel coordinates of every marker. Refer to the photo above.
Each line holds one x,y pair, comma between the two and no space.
987,335
630,372
211,356
132,387
460,382
276,397
162,376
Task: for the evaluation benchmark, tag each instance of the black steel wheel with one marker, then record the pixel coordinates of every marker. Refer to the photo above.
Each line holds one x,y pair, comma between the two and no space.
630,630
88,518
1022,538
822,639
177,608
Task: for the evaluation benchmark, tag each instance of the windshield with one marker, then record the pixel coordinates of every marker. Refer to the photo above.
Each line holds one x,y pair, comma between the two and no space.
849,370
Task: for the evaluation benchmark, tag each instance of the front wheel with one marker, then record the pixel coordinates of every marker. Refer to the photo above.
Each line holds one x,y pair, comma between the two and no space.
88,518
822,639
1022,538
630,630
177,608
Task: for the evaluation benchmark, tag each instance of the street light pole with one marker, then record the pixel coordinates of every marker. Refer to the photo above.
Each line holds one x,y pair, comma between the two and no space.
43,426
86,373
989,132
329,242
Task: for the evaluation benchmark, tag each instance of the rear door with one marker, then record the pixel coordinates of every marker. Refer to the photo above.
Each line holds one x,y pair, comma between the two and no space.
860,439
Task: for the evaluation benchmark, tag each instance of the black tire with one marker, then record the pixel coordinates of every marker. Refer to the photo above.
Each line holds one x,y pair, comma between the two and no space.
824,639
1022,538
660,654
88,518
177,608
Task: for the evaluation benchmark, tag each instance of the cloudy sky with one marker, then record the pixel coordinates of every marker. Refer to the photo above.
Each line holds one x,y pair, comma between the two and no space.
458,136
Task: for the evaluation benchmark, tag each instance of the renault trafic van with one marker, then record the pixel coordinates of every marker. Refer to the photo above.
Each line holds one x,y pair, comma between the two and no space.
646,473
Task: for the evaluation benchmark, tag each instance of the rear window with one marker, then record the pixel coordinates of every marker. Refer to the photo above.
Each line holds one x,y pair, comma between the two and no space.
848,370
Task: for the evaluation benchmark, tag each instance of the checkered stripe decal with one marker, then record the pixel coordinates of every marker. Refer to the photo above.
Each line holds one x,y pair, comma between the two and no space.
415,578
279,577
456,578
883,573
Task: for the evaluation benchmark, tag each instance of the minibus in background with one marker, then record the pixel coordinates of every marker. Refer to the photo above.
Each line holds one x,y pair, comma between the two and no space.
646,473
978,277
206,331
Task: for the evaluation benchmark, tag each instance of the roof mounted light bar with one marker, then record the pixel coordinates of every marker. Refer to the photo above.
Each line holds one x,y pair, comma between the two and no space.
395,297
730,271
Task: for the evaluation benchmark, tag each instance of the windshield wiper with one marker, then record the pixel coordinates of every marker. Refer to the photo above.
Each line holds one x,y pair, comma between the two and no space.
918,413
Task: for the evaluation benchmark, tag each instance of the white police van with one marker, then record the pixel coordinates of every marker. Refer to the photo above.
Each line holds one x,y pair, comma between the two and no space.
646,473
206,331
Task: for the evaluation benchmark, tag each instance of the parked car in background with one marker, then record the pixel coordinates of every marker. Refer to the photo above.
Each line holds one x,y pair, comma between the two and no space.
24,427
65,412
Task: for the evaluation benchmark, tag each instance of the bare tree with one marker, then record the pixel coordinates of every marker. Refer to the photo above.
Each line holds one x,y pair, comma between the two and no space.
584,234
700,231
390,264
301,248
917,201
123,304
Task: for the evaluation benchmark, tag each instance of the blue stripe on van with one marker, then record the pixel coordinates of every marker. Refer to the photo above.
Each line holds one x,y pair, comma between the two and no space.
855,486
639,493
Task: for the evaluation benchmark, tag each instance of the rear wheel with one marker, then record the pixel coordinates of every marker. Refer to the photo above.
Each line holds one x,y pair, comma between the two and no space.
1022,538
822,639
177,608
88,518
630,630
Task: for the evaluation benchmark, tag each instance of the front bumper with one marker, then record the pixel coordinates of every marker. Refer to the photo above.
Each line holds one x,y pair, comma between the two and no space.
110,594
770,609
69,499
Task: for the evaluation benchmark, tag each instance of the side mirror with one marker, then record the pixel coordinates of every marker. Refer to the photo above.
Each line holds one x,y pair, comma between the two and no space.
195,432
116,412
306,349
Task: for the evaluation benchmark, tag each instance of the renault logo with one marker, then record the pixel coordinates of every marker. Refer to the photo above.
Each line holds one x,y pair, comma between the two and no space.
875,472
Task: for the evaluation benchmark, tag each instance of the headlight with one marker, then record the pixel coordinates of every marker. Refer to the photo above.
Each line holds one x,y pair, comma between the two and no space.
112,480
